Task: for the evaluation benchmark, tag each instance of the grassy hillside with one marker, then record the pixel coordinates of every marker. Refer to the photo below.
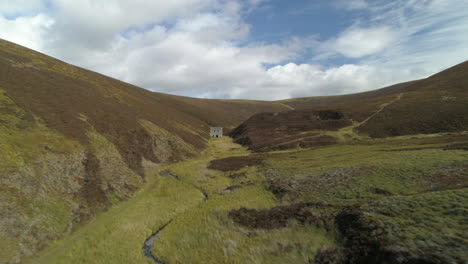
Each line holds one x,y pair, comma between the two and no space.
357,106
401,201
72,101
290,129
73,143
436,104
433,105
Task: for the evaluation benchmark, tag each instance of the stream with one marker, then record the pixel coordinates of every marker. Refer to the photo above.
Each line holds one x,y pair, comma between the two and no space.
149,244
150,241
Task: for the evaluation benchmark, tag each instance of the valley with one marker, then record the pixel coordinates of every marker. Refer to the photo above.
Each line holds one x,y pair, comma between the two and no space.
286,206
95,170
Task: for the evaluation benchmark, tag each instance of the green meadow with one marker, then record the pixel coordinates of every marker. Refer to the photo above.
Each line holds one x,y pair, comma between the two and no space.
394,181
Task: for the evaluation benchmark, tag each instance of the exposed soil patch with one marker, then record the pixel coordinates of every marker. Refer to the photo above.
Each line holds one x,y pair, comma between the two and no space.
235,163
279,216
91,190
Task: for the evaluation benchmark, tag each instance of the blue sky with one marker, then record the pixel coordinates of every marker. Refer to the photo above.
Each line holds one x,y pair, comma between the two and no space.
276,20
253,49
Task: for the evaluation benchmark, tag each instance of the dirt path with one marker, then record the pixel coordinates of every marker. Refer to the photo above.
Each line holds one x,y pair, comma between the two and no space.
287,106
382,107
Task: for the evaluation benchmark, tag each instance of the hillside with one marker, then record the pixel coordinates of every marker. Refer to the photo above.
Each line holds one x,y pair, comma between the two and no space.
357,106
399,200
433,105
436,104
290,129
74,142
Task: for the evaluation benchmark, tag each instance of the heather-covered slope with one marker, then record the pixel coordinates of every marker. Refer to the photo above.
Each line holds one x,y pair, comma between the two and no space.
433,105
436,104
72,100
357,106
290,129
74,142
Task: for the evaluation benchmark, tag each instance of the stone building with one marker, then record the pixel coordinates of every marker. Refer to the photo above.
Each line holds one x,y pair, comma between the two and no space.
216,132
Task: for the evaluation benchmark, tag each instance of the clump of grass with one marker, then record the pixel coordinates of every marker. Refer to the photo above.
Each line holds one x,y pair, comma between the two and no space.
433,222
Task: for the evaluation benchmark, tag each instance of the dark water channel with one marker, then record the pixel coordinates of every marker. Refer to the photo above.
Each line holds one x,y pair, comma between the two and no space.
149,244
150,241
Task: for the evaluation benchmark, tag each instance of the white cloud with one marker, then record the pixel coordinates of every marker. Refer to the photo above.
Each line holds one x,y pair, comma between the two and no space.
421,37
27,31
359,42
96,24
19,7
204,48
306,79
351,4
431,34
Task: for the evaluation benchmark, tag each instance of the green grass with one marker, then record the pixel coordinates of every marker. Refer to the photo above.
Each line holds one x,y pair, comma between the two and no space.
206,234
432,222
24,136
117,236
202,232
399,172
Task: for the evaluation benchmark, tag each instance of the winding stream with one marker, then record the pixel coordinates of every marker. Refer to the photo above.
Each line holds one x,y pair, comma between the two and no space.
150,241
149,244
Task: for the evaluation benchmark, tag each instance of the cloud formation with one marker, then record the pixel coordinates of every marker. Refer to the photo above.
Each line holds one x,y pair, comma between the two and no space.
360,42
30,31
205,48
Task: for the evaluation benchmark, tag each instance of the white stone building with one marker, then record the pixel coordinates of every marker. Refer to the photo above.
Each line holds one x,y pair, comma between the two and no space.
216,132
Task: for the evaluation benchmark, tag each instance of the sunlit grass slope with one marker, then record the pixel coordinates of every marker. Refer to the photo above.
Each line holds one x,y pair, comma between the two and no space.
117,236
206,234
392,182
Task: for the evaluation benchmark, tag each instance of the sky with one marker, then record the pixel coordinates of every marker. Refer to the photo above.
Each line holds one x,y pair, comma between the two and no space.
246,49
